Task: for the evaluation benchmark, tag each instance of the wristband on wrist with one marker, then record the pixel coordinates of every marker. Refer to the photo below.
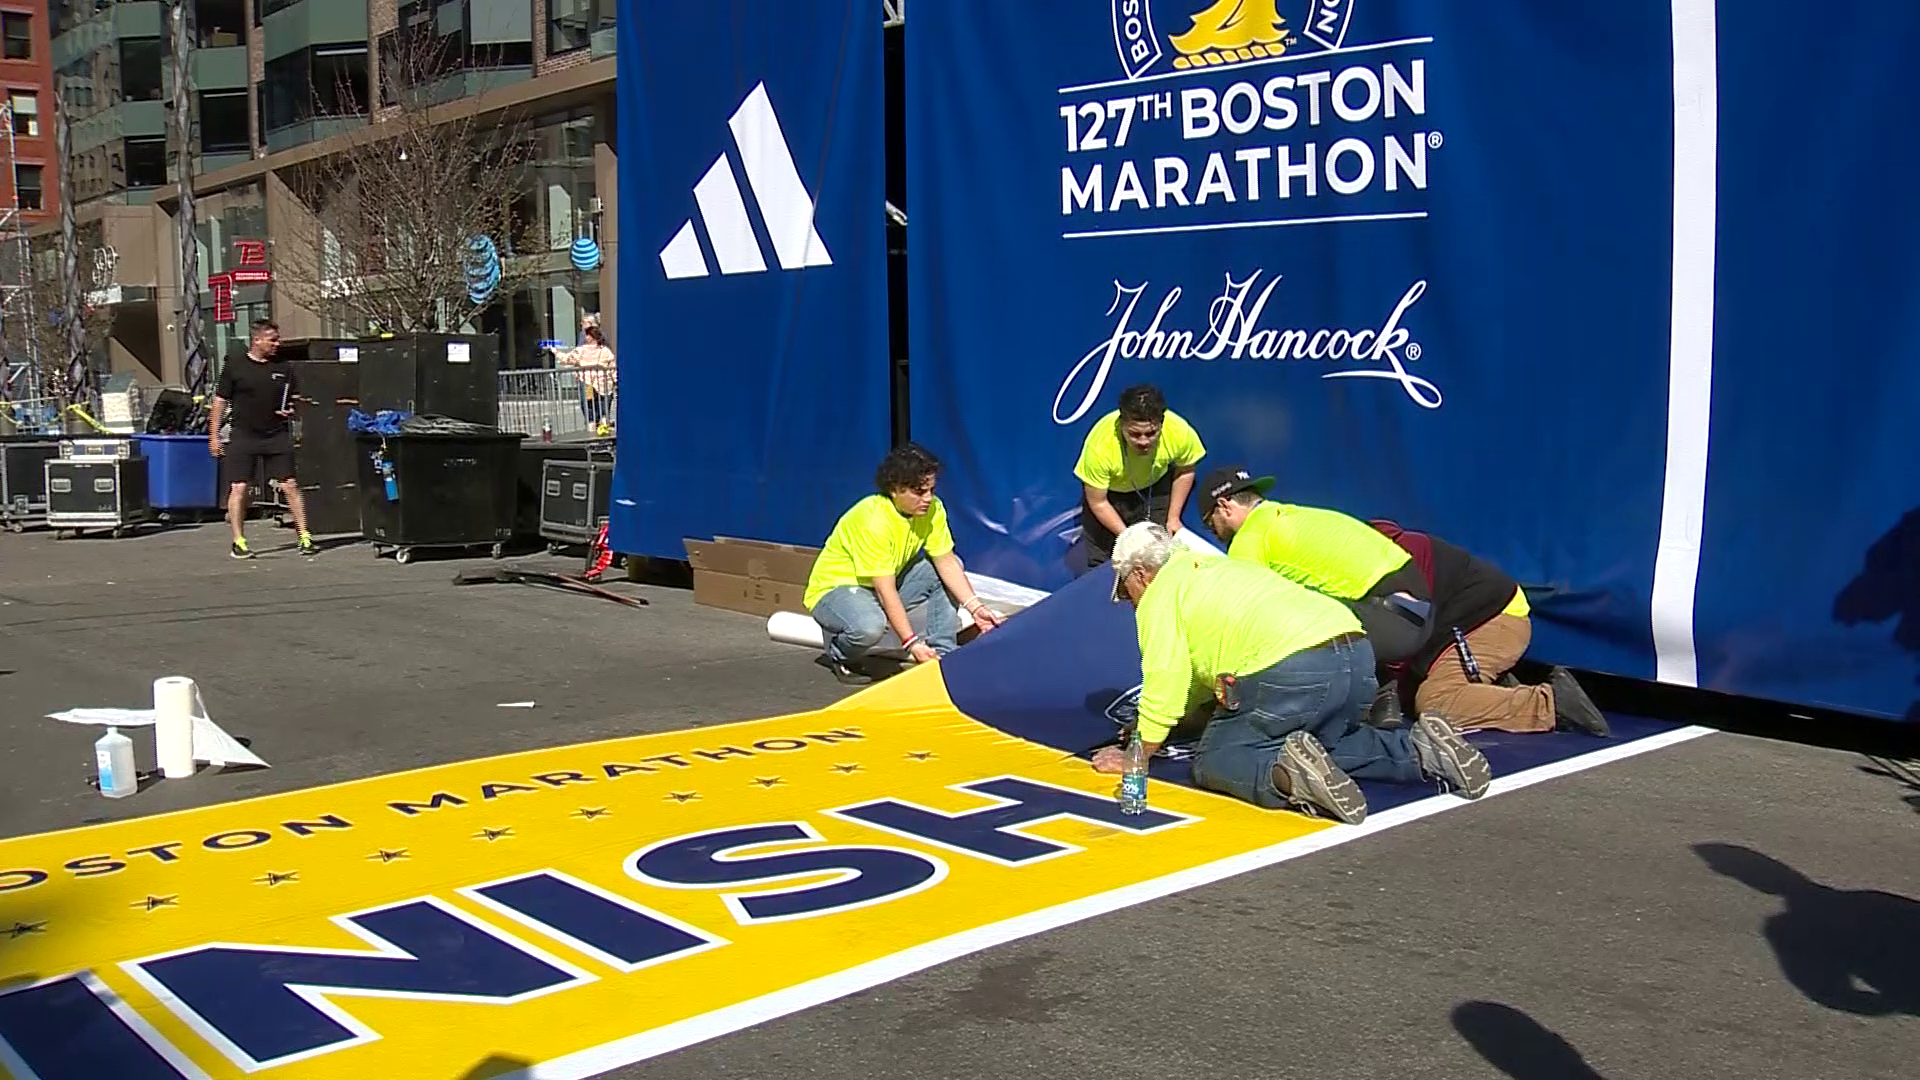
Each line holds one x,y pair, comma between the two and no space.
908,644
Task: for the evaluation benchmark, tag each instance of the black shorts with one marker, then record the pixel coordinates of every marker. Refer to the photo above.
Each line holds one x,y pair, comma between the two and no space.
271,461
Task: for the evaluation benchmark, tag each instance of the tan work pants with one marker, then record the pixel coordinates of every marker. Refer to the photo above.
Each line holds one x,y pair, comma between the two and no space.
1497,646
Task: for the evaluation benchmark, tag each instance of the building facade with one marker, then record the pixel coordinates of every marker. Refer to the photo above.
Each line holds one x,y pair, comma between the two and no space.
30,187
279,84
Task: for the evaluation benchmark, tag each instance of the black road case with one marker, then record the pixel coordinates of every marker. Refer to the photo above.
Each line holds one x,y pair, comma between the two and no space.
23,479
96,493
453,375
450,491
574,496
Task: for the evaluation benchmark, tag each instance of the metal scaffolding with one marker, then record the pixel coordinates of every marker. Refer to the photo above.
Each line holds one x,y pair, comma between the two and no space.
16,278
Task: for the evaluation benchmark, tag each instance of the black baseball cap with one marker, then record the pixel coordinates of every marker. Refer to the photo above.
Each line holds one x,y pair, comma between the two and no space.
1223,482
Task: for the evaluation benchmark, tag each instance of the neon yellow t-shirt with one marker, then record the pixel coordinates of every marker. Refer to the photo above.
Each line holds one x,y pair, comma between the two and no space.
1518,606
875,540
1106,461
1322,549
1205,616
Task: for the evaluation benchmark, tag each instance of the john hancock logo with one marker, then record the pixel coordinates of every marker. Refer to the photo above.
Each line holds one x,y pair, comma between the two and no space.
1212,33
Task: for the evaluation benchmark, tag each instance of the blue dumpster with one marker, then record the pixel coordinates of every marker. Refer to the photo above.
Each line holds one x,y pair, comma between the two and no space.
181,474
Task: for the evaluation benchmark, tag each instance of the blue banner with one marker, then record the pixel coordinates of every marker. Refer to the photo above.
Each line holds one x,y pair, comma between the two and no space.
1456,265
753,353
1809,585
1410,257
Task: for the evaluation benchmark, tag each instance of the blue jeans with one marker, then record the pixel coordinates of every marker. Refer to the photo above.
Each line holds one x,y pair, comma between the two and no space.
857,628
1325,691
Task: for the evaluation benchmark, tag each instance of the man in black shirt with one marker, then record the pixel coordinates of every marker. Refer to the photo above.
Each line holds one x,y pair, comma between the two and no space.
1488,611
257,390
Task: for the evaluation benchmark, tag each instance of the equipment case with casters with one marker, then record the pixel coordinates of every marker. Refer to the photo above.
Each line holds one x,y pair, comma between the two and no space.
453,491
574,496
23,479
96,493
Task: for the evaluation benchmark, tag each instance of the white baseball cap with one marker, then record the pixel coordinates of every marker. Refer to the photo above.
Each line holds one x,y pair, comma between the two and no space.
1127,548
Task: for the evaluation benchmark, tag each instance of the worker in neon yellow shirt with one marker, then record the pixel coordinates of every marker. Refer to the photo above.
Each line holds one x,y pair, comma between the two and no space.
1291,674
889,569
1328,551
1136,465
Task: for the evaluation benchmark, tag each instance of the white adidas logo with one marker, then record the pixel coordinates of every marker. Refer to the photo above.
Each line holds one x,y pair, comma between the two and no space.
784,204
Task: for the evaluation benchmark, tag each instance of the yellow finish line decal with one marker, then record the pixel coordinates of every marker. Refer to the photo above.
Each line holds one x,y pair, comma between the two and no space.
584,907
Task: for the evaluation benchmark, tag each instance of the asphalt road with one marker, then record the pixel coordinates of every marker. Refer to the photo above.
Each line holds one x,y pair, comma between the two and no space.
1733,907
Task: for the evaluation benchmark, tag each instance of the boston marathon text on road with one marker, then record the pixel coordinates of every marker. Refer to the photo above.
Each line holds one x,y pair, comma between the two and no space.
263,1005
1233,332
1244,115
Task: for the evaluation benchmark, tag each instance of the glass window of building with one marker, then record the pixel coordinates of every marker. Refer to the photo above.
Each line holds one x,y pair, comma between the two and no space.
440,37
140,62
569,25
219,24
264,8
27,186
16,28
146,161
340,79
26,112
563,177
223,122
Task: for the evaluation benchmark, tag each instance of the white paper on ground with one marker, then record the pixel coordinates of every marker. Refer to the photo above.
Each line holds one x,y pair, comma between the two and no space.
1195,542
514,705
211,743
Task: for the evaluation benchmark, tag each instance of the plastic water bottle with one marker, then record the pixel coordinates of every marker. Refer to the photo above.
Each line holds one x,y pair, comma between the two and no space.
546,431
1133,780
113,759
387,481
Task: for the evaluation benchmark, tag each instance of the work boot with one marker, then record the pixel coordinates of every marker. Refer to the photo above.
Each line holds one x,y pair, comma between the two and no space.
1573,710
1313,784
1446,757
1386,708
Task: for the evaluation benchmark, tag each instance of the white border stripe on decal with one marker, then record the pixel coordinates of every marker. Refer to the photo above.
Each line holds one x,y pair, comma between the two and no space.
1676,563
697,1029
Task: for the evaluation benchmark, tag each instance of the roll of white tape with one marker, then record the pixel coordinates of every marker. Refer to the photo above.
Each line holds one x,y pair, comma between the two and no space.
793,628
173,706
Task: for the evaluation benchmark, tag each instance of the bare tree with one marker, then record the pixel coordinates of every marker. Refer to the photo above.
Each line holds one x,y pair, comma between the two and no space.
390,220
34,327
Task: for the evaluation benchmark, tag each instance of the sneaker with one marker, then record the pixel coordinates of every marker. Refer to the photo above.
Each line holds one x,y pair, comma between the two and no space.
847,674
307,546
1446,757
1573,710
1386,711
1310,781
240,550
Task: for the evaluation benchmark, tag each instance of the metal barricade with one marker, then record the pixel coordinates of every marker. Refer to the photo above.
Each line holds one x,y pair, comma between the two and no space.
30,416
566,401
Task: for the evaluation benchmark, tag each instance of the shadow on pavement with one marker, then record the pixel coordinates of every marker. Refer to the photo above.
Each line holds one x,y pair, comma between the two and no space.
1852,950
1904,773
496,1065
1517,1044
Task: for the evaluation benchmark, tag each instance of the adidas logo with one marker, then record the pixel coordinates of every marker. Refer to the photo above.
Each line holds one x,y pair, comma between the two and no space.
784,204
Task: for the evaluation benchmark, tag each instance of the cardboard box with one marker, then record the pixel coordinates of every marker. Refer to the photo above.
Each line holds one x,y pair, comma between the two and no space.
750,576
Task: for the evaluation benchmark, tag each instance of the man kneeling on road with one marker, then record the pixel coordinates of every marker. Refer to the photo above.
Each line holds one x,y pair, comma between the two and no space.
889,566
1292,676
1331,552
1468,687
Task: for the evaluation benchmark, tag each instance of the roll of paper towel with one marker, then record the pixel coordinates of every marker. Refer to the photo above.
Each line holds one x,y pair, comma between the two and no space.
174,702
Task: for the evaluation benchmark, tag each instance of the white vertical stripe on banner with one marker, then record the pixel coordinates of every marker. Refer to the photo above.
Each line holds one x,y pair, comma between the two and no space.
1676,565
784,201
726,216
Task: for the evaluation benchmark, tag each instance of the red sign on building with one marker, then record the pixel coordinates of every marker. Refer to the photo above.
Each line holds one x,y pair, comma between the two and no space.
251,270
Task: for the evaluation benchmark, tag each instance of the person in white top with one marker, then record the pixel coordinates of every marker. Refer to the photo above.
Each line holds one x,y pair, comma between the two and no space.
593,364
